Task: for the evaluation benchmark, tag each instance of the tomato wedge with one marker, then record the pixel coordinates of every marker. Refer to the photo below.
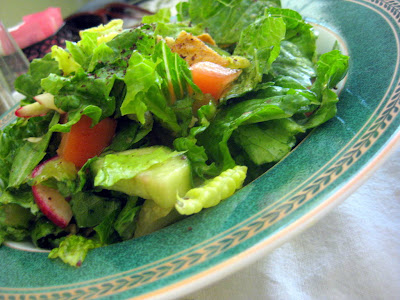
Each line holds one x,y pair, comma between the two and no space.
84,142
212,78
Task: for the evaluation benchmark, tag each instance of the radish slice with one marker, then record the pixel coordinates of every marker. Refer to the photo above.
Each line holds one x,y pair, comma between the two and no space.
32,110
52,204
47,100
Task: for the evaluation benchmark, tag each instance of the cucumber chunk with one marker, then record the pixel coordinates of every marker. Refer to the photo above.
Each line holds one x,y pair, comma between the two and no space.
160,180
153,217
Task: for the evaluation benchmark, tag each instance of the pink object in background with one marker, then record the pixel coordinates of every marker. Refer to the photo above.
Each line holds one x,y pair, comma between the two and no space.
37,27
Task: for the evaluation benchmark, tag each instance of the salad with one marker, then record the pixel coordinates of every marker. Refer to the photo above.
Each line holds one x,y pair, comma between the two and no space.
130,130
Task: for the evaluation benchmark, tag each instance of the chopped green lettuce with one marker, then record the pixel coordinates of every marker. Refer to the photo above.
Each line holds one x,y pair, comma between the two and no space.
46,235
12,233
154,84
89,209
260,44
106,233
28,156
125,223
292,66
23,198
331,68
196,153
161,16
268,141
29,84
14,222
226,20
298,31
129,134
66,62
73,250
215,137
13,138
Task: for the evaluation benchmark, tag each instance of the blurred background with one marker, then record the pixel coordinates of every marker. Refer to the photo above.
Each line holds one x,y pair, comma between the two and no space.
38,25
11,12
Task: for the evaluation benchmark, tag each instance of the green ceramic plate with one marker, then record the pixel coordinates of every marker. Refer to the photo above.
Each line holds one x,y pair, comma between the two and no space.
316,176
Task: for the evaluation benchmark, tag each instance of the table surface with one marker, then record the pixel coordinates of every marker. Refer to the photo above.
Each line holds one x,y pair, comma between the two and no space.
352,253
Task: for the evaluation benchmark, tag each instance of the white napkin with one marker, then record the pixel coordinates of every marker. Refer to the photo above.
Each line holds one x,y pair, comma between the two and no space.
352,253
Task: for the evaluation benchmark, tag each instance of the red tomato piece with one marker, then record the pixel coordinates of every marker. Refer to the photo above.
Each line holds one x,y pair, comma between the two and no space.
213,79
84,142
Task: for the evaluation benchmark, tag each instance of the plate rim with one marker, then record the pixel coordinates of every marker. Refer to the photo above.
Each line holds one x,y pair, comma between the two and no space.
242,259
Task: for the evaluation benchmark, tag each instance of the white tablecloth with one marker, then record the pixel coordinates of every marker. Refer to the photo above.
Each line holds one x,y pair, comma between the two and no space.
352,253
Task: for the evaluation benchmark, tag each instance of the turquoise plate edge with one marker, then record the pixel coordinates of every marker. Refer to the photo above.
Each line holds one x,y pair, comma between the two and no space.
216,253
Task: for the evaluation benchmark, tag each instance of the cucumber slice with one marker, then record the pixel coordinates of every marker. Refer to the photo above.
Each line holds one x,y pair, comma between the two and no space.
153,217
160,182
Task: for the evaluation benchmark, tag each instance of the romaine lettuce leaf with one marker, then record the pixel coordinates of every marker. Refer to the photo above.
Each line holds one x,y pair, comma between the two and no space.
182,12
104,62
66,62
105,230
15,221
298,31
92,48
28,156
23,197
194,152
173,29
215,137
260,44
12,233
331,68
157,104
83,94
292,65
161,16
89,209
140,39
174,71
268,141
14,215
118,50
140,76
129,132
225,20
325,111
14,137
154,84
29,84
125,224
165,28
46,235
111,28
